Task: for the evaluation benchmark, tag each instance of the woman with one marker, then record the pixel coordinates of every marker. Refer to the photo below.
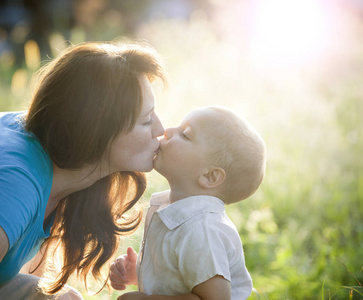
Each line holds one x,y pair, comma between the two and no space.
71,166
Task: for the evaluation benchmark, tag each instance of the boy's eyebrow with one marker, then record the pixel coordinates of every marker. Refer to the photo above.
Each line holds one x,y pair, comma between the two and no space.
189,129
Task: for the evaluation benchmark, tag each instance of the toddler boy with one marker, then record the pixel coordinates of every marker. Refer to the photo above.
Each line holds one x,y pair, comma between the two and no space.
190,246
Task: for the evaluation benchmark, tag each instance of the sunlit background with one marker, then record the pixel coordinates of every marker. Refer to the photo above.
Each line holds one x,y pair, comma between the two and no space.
293,68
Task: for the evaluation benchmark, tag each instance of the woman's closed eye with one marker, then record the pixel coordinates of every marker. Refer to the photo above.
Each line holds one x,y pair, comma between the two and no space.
148,123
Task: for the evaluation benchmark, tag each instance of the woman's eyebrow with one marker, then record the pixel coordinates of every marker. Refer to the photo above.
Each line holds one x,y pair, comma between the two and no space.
149,112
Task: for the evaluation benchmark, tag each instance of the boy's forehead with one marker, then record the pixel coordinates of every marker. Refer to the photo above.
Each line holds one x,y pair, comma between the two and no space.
200,116
202,120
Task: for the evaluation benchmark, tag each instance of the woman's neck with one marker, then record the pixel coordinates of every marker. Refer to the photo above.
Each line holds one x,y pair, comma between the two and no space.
66,182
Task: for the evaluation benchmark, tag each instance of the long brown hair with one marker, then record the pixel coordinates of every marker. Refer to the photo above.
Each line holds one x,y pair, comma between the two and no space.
83,99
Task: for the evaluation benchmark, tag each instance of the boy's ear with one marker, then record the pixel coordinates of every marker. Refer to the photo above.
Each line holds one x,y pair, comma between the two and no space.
212,177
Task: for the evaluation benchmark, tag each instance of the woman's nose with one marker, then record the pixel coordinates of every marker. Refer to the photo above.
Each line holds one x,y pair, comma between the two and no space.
158,127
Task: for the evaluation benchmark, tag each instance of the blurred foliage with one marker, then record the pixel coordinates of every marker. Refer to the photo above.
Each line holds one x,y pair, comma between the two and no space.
302,231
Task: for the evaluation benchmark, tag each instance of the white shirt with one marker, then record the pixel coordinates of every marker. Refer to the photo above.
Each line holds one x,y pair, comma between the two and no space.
187,243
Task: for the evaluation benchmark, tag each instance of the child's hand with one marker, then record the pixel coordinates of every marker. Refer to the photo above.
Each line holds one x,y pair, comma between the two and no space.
132,296
123,271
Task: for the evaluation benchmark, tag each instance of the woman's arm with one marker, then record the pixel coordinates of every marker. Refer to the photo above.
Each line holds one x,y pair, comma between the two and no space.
30,265
33,263
4,243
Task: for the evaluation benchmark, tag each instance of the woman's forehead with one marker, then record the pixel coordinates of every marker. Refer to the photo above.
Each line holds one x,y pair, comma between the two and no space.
148,97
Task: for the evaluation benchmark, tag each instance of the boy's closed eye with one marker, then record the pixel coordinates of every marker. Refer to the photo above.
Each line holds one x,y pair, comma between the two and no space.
184,135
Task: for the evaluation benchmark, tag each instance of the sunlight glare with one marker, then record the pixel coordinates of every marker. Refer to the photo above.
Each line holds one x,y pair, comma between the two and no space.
289,32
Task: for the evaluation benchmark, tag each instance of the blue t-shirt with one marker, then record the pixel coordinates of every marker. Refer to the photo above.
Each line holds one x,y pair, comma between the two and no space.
26,174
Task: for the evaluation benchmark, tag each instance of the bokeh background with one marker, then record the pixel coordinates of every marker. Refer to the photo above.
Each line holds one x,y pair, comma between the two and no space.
293,68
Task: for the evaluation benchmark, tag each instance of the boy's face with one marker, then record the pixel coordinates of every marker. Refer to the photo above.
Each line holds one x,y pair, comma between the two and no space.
183,151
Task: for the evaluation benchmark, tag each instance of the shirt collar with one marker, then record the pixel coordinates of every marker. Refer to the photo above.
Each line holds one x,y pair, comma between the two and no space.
182,210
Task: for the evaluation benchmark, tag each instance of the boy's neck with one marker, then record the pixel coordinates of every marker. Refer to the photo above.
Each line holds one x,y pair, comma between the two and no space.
177,195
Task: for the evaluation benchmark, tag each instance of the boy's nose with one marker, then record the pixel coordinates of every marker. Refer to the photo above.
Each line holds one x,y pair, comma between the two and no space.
168,133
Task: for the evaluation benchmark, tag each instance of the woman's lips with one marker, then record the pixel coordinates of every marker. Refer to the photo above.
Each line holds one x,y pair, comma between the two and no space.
156,152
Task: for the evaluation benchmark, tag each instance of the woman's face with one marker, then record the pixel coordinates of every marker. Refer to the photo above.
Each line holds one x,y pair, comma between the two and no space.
134,151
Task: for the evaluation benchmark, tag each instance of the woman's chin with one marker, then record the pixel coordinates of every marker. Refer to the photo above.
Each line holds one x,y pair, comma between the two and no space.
148,169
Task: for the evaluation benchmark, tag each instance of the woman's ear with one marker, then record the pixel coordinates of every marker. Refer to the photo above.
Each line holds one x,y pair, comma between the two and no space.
212,177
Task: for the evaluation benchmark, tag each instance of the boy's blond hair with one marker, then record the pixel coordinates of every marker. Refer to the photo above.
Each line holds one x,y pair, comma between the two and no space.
240,151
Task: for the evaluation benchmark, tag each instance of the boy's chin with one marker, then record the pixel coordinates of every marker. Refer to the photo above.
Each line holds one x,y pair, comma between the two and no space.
158,168
156,164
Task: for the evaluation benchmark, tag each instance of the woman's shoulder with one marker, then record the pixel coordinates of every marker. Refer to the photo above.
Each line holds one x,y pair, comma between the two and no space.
12,130
12,119
25,172
20,149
